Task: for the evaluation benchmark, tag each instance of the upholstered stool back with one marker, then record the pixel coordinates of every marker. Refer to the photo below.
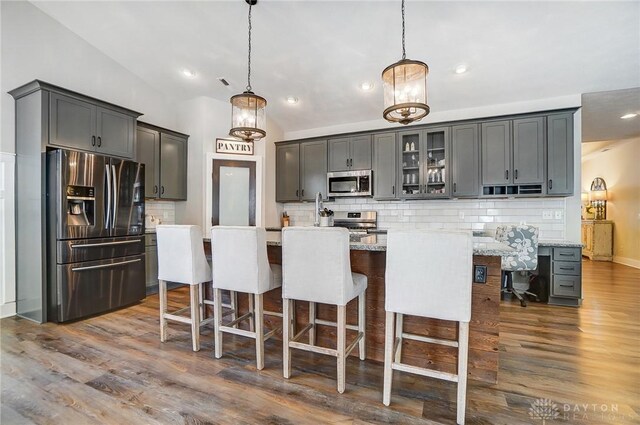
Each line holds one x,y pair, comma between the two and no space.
429,274
316,266
524,239
181,255
240,260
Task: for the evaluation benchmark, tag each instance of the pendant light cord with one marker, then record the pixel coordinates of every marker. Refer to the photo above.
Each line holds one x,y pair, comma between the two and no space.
249,62
404,54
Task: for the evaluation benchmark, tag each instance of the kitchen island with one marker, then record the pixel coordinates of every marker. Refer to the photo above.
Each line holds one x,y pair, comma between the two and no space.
368,256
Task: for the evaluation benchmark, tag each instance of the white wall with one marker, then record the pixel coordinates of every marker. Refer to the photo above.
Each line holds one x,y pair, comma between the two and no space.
34,46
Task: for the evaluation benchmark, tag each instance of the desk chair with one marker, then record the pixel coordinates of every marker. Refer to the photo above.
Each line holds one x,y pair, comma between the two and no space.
524,239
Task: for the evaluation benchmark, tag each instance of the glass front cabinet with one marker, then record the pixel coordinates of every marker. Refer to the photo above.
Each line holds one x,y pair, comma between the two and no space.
424,163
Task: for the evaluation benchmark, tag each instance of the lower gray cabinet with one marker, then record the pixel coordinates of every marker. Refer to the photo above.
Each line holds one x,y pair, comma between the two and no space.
164,153
465,161
560,154
566,276
313,169
384,166
288,173
151,263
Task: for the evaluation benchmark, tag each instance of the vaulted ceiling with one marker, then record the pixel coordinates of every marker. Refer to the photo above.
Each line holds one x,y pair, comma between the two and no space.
321,51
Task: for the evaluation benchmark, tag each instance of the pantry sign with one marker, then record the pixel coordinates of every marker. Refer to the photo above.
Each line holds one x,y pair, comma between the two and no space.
236,147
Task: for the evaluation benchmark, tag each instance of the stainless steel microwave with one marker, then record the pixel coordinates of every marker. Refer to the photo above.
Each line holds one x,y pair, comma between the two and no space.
349,183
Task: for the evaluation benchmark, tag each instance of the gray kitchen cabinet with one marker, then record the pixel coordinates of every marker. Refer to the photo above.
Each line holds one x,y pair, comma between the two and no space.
384,166
409,164
115,133
360,153
496,153
151,262
72,122
560,154
148,153
339,154
435,164
173,166
79,124
350,153
528,150
164,154
313,169
288,173
465,160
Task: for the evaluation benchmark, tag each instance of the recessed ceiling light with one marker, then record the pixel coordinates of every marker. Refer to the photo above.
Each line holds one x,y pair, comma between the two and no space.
189,73
366,86
461,69
292,100
628,116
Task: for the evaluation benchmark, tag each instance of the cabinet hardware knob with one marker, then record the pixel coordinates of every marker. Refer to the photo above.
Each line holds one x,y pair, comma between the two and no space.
347,162
506,174
93,140
303,193
297,191
155,188
99,141
163,190
455,187
550,183
393,189
516,175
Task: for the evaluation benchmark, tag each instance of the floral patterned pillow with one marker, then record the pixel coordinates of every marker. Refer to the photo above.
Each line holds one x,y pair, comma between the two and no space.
524,239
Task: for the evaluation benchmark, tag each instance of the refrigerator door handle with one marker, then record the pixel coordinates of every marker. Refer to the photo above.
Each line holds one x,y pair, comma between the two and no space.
104,266
108,186
115,196
92,245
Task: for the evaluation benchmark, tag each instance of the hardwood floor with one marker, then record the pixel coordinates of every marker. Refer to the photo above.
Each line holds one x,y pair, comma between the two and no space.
113,369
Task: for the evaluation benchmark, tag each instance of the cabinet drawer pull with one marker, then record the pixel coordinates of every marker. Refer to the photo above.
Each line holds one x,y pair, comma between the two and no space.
566,268
566,286
564,254
347,162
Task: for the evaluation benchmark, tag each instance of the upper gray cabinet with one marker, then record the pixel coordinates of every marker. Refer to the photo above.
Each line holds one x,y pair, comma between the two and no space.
350,153
288,173
115,133
72,122
465,164
528,151
85,124
560,154
301,171
496,153
313,169
384,166
424,163
164,153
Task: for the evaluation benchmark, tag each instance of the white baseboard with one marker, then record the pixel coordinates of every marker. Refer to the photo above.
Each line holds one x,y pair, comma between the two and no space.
631,262
7,310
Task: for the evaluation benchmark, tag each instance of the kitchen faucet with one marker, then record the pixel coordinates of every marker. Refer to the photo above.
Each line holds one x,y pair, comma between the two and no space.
316,222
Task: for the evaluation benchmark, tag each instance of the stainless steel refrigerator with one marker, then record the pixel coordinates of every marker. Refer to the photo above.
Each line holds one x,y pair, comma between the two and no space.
95,234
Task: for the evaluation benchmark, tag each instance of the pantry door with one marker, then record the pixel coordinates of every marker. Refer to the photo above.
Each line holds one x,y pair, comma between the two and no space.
234,193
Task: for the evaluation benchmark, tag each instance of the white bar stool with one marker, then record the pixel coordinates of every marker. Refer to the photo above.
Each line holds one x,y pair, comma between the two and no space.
181,259
240,264
429,274
317,268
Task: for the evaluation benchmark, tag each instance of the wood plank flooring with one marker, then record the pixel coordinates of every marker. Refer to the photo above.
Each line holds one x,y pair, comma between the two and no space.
113,369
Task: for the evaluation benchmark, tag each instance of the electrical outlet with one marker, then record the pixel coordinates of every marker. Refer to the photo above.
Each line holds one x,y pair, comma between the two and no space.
547,215
558,215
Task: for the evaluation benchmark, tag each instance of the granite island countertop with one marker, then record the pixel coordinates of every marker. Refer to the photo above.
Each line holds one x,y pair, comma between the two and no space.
481,245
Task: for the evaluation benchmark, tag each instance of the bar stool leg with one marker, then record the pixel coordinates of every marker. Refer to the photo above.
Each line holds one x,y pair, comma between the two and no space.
252,310
312,321
201,301
234,306
194,292
217,320
399,327
258,318
162,294
286,335
463,351
362,326
342,331
389,339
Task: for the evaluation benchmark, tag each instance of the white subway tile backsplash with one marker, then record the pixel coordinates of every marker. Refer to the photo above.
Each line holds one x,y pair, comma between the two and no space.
450,213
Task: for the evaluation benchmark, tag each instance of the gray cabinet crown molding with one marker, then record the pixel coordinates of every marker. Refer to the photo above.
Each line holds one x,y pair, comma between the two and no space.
36,85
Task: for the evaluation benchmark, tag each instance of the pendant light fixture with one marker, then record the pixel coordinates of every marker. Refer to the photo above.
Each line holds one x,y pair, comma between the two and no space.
405,88
248,118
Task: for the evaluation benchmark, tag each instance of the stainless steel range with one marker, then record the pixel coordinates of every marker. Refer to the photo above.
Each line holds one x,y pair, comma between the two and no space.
359,223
